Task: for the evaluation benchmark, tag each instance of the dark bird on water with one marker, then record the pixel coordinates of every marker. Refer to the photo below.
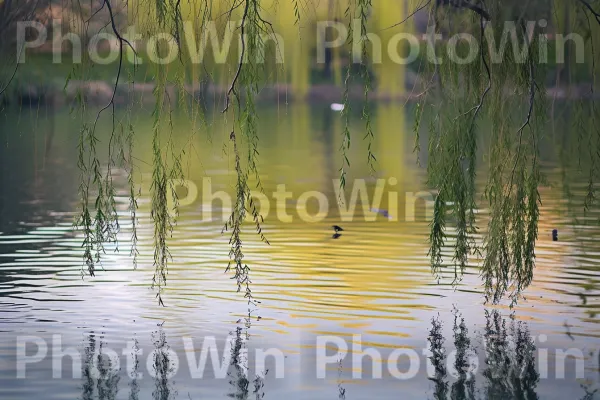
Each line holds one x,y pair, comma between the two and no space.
337,230
554,235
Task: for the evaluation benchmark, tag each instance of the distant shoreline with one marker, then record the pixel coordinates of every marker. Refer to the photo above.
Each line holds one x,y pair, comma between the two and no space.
100,92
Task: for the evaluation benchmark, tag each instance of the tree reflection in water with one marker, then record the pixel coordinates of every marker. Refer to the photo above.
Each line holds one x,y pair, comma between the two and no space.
238,370
509,369
134,386
101,378
98,372
163,368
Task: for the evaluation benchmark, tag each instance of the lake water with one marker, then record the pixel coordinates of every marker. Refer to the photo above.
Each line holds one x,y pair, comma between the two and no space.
371,287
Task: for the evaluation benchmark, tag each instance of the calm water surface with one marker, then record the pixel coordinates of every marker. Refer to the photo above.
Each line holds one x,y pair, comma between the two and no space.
374,281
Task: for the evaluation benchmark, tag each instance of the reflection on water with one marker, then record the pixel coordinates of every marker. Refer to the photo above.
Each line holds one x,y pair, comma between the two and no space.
509,373
163,367
103,373
374,280
506,369
510,361
99,375
239,371
134,386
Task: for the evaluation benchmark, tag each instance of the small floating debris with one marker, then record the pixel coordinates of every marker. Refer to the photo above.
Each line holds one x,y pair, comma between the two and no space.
337,107
554,235
385,213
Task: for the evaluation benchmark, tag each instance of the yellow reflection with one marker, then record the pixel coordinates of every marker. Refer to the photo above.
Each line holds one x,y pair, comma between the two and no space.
373,269
391,73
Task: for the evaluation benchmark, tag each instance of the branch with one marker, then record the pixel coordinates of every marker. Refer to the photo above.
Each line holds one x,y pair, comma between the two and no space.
4,7
529,113
531,100
409,16
591,9
593,84
243,54
465,4
478,107
122,42
114,27
96,12
14,73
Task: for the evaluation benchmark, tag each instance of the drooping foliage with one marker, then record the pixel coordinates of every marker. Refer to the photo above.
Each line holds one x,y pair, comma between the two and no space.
507,89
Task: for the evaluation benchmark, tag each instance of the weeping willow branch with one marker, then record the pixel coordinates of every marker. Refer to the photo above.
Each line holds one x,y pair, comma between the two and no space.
478,107
232,87
125,156
527,122
595,13
512,230
84,220
9,15
122,43
242,271
346,105
594,150
14,73
509,244
465,4
89,166
296,12
96,12
247,76
160,213
163,181
411,15
104,226
364,7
